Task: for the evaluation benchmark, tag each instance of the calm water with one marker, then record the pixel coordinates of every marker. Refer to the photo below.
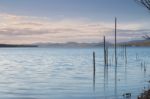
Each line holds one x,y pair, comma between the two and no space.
48,73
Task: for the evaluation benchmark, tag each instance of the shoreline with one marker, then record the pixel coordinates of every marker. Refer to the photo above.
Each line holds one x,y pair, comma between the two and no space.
145,95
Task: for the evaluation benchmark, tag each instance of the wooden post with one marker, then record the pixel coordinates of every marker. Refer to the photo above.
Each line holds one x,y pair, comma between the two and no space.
144,67
107,55
116,41
104,52
116,57
125,54
94,69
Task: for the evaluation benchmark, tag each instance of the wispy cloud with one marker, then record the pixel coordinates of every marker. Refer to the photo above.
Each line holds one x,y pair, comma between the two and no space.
28,29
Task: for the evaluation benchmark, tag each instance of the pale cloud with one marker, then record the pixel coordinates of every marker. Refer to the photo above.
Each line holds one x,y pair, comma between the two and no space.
27,29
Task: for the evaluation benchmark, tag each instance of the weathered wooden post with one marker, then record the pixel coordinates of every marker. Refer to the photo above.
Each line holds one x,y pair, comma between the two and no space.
116,57
116,41
126,54
107,55
104,52
94,69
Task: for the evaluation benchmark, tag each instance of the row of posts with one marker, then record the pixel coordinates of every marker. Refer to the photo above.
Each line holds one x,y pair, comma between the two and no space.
106,55
106,59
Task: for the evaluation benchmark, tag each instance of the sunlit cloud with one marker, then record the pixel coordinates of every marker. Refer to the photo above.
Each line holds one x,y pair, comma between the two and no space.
16,29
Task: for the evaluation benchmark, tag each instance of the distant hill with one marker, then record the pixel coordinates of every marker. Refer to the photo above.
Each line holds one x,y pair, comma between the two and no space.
71,44
145,42
15,45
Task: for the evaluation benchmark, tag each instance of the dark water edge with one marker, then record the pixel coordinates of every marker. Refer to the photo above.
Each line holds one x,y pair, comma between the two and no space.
145,95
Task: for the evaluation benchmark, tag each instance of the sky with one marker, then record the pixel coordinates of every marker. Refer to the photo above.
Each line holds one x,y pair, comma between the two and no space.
60,21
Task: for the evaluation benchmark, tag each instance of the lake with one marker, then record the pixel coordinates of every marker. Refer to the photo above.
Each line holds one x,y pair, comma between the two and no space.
67,73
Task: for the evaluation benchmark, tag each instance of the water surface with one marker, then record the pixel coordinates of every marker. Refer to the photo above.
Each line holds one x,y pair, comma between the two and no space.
52,73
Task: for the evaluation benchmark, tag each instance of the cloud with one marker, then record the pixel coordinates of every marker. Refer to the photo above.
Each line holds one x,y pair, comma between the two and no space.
28,29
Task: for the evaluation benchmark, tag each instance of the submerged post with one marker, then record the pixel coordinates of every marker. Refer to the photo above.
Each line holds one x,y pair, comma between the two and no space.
94,69
126,54
107,55
116,41
104,51
116,57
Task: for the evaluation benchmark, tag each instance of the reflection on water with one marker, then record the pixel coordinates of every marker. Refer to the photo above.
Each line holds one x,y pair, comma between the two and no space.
46,73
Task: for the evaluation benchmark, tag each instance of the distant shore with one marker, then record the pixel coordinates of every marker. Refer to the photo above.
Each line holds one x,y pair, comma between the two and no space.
15,45
137,43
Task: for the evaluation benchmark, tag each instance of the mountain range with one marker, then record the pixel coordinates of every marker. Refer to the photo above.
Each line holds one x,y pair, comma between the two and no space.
145,42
